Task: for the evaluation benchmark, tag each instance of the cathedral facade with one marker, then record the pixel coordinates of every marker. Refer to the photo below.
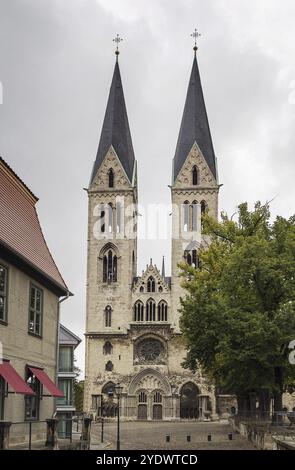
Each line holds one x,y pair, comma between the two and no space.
132,329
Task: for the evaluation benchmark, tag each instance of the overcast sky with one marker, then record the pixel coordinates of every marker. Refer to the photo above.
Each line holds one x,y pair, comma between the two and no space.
56,65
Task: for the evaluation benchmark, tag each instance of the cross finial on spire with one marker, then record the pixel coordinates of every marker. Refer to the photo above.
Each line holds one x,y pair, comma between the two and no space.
195,35
117,40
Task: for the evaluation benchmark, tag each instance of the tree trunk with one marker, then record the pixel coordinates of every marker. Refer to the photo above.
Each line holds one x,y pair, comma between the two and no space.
243,405
278,394
264,404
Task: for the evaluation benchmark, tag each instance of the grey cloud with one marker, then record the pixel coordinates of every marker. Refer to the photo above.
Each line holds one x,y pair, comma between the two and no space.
56,63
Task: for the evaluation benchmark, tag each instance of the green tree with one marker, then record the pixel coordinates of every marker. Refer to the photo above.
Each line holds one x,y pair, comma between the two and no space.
238,316
78,389
78,394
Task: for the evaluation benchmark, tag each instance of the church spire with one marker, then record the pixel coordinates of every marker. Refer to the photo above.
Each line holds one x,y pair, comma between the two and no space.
115,130
194,124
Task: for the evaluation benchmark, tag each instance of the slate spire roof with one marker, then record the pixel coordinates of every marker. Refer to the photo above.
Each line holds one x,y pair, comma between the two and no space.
115,129
194,125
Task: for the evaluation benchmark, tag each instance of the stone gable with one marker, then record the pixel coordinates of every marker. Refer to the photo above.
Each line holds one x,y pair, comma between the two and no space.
195,158
100,181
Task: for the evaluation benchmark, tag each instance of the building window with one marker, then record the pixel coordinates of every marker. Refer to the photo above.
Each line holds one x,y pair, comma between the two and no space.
110,218
107,348
32,403
157,397
195,176
36,308
108,316
192,258
66,359
150,310
119,216
110,265
64,426
102,215
142,397
195,259
2,397
141,289
66,386
203,207
151,285
160,289
149,351
138,311
3,293
109,366
162,311
108,389
194,211
111,178
186,216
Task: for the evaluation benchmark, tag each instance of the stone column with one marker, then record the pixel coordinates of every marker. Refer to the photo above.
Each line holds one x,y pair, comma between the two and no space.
86,426
175,406
4,434
123,405
150,407
214,414
51,439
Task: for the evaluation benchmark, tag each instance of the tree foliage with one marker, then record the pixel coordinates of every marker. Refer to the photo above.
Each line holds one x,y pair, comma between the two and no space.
238,316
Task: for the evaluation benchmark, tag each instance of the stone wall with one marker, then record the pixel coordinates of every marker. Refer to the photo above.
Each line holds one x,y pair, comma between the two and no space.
23,349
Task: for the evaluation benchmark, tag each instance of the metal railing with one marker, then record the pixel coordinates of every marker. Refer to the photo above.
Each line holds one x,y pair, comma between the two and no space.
32,435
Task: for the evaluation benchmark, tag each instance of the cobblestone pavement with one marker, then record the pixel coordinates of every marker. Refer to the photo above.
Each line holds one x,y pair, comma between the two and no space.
152,436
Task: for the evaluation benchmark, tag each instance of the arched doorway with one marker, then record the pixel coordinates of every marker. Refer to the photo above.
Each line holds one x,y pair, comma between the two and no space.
189,403
109,407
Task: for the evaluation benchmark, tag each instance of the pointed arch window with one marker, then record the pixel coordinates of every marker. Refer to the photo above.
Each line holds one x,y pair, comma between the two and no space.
203,207
157,397
150,314
102,220
138,311
108,316
194,216
111,177
110,218
142,397
151,285
110,267
107,348
195,176
162,311
109,366
186,216
188,257
192,258
119,216
141,289
195,258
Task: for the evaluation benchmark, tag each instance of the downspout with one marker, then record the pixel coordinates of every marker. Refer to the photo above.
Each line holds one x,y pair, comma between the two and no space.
57,344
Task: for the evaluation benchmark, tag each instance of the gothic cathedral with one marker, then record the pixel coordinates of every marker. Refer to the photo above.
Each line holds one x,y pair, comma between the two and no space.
132,328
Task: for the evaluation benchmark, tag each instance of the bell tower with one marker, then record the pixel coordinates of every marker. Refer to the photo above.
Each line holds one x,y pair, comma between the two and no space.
112,240
195,187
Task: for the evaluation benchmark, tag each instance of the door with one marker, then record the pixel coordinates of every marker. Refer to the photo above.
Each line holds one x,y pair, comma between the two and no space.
142,412
157,411
189,403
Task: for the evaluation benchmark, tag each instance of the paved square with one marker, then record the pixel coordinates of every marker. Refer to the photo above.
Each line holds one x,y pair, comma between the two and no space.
152,436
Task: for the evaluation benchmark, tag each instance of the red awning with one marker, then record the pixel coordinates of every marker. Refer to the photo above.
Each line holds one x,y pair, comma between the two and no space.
46,381
10,375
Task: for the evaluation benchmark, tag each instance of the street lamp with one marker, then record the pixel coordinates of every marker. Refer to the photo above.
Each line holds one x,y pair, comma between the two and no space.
118,392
